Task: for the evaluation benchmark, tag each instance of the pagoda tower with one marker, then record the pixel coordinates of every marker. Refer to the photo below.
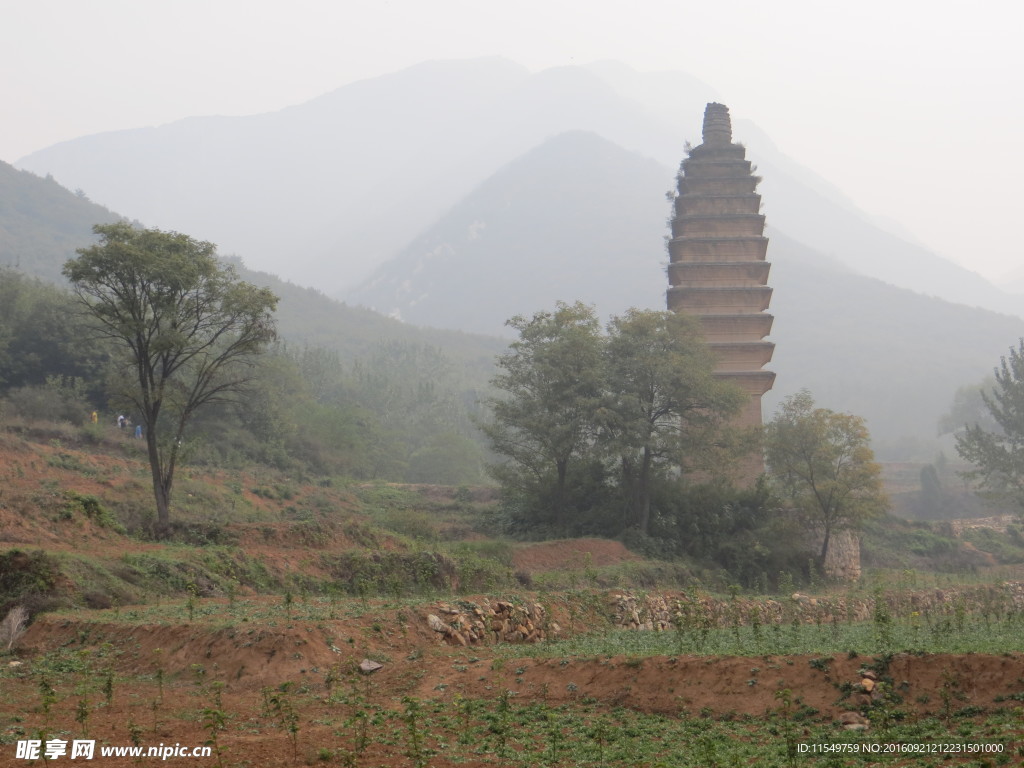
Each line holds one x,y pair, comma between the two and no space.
717,269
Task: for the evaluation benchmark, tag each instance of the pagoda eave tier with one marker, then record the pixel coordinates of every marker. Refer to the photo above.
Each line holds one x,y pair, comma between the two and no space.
702,151
718,301
719,273
719,225
739,327
741,355
718,249
711,185
715,167
717,205
754,383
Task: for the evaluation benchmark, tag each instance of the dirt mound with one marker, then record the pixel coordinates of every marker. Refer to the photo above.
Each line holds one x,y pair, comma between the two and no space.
570,554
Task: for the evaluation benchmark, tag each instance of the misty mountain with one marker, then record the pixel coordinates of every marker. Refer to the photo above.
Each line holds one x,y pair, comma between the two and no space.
324,191
809,207
581,218
870,348
443,176
1013,282
822,217
42,224
571,218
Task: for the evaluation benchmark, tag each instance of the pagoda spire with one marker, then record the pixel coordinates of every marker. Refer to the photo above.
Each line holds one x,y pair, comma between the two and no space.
717,125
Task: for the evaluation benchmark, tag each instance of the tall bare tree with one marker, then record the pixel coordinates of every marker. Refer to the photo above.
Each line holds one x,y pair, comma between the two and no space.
189,327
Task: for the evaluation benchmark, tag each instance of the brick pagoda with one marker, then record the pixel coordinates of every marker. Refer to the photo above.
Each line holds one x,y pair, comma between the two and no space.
717,268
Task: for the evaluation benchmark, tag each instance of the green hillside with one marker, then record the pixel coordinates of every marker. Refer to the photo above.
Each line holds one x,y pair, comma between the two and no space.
41,223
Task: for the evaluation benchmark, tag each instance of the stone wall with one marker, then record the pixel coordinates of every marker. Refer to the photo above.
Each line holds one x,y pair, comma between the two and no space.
662,612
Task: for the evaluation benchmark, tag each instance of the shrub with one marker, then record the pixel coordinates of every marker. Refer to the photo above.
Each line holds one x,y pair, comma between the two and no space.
91,507
60,399
13,626
28,579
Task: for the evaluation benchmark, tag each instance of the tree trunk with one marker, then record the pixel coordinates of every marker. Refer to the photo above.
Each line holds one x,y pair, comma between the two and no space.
161,487
825,540
643,495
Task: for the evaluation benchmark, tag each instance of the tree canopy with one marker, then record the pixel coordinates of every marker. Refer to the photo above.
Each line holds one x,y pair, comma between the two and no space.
188,328
664,411
40,338
996,446
545,425
822,462
591,422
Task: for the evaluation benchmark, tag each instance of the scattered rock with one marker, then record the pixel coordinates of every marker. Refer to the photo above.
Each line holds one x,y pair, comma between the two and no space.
853,718
369,666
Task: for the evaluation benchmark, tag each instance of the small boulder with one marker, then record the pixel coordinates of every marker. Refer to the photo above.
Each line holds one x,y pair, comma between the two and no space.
369,666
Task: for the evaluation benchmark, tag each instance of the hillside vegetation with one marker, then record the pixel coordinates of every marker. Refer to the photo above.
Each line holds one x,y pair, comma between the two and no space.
247,631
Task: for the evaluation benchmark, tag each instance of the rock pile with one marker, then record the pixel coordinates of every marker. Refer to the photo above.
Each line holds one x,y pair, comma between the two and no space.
867,693
650,612
491,623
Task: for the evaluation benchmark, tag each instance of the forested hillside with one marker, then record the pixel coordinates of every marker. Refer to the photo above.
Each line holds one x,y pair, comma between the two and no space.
41,223
345,389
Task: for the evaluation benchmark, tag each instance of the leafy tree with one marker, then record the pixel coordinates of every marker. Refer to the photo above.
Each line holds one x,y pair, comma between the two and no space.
968,407
638,404
41,339
188,326
997,449
823,464
545,425
740,530
664,409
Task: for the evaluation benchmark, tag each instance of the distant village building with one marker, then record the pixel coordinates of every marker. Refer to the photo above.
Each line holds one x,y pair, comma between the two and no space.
717,268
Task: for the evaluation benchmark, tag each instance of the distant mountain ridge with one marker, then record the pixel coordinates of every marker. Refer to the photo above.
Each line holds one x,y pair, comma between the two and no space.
860,345
323,192
42,224
569,219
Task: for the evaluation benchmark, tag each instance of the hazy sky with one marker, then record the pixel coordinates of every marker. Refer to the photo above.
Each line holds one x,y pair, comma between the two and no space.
914,109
